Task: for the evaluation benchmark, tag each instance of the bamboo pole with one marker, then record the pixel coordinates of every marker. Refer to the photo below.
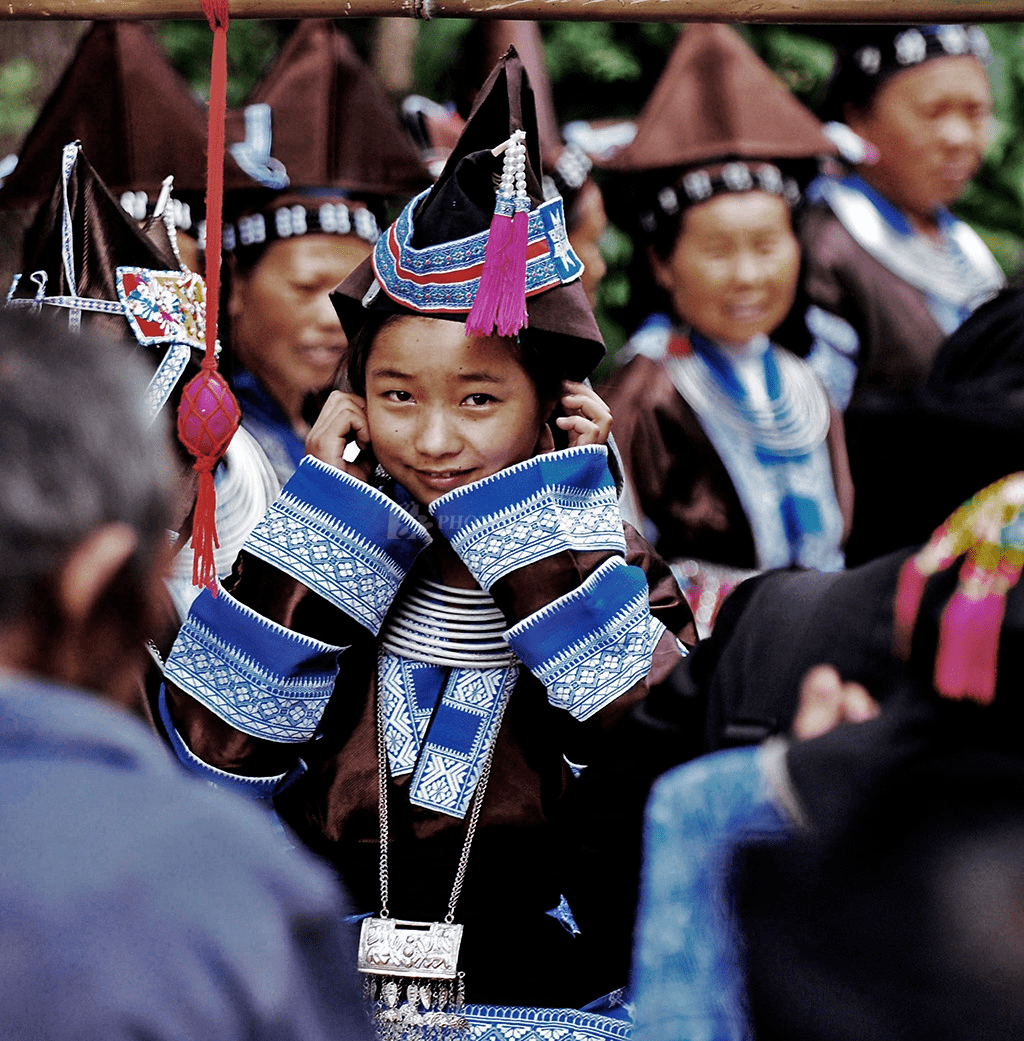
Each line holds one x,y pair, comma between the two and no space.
753,11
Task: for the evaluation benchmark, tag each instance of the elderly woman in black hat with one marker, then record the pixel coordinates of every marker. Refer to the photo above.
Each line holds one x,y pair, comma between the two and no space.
728,438
889,270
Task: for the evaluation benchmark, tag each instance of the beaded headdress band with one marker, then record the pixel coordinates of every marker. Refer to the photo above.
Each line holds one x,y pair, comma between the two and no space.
697,186
917,44
291,221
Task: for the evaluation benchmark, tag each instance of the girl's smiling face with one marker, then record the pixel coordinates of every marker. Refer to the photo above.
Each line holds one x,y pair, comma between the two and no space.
445,409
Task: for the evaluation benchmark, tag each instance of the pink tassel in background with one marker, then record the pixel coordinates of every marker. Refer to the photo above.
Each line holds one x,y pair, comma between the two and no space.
968,652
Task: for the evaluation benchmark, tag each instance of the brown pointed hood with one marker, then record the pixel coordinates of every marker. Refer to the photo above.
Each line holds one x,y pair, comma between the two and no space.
717,100
134,115
331,124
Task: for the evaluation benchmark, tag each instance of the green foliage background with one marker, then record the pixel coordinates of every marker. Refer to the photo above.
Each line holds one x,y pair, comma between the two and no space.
606,69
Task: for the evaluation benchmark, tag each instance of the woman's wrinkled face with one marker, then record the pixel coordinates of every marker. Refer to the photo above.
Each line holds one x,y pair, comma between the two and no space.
733,270
931,125
445,409
283,326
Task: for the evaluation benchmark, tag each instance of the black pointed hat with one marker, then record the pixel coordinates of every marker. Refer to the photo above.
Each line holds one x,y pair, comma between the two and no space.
430,261
85,256
566,165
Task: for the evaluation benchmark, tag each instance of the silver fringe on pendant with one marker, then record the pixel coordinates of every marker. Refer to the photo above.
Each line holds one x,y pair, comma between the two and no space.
405,1009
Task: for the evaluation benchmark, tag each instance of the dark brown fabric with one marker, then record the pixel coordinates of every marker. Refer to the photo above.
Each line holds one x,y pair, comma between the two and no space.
514,875
332,123
898,336
681,482
717,99
135,116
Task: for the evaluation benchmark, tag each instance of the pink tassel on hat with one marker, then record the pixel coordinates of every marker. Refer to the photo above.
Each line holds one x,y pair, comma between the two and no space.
500,301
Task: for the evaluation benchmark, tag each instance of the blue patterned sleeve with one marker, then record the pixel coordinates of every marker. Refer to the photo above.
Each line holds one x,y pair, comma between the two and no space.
687,979
552,503
583,629
335,536
341,538
595,643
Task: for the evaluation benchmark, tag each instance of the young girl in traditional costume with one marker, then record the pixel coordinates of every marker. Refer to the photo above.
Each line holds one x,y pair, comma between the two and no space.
431,633
728,439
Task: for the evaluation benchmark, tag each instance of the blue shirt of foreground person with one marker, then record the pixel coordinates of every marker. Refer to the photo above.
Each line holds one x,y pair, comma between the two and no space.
134,902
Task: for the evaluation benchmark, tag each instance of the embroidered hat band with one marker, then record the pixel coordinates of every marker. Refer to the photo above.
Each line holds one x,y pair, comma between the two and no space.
697,186
444,278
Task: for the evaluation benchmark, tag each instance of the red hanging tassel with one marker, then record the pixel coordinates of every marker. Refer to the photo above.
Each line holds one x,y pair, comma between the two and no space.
501,296
208,415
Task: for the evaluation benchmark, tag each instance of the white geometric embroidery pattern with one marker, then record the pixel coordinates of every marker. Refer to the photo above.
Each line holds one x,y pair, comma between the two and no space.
404,722
554,519
330,557
243,692
446,778
509,1023
594,671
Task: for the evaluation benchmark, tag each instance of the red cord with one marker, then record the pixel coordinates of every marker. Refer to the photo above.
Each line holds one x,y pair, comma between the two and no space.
217,15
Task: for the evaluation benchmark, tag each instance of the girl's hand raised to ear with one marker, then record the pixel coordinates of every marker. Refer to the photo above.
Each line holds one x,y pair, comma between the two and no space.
342,425
588,420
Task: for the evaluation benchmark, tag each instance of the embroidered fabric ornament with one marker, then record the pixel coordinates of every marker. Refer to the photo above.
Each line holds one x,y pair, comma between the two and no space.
208,415
501,298
988,531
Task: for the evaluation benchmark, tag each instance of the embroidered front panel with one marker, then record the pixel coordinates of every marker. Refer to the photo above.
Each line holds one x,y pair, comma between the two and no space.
593,644
340,537
459,738
259,677
445,277
410,691
535,509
